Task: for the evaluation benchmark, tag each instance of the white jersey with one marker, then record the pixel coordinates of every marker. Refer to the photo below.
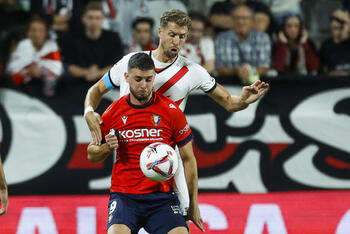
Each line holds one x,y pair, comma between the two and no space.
175,80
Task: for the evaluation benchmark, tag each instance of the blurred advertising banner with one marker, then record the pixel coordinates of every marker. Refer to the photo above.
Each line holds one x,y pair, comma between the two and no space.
295,138
326,212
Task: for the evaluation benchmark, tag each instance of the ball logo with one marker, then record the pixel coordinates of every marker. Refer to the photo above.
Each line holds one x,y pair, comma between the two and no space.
154,165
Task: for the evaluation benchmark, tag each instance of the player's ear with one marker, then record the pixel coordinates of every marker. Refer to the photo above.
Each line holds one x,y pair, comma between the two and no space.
126,76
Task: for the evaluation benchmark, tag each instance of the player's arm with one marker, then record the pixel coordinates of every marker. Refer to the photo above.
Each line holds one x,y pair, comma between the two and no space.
98,153
234,103
92,100
3,191
191,174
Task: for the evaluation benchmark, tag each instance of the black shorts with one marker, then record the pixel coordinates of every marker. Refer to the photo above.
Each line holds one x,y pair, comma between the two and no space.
157,212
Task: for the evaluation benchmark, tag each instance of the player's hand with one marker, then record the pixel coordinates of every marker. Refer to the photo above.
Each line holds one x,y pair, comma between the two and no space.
4,202
194,215
253,92
94,121
112,141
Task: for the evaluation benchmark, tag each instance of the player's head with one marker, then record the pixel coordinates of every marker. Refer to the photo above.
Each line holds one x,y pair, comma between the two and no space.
140,76
173,31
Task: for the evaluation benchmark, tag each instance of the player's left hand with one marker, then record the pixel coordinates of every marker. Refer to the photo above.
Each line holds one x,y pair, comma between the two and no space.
3,201
253,92
194,215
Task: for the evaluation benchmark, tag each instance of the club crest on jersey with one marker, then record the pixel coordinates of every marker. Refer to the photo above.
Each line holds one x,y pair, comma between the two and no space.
155,119
172,106
124,118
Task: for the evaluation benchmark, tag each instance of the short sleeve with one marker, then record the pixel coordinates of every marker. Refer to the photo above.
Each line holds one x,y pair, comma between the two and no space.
182,131
113,77
105,122
204,81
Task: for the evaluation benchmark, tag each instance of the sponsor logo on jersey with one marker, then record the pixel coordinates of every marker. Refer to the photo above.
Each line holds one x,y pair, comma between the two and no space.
172,106
155,119
124,119
141,134
185,129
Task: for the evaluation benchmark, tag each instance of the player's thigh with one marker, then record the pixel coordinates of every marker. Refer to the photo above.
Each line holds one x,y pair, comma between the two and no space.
119,229
178,230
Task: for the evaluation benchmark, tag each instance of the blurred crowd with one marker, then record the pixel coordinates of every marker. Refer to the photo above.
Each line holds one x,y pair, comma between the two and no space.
47,41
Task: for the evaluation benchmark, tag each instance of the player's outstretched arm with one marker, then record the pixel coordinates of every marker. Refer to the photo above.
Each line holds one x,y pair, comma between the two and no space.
3,191
92,100
191,174
98,153
233,103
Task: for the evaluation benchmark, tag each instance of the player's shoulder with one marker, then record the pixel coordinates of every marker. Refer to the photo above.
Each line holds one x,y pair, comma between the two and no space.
115,105
167,103
193,68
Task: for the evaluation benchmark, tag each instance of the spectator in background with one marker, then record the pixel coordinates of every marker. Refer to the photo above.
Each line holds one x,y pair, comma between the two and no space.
96,50
294,53
243,51
142,35
335,51
198,47
36,58
221,20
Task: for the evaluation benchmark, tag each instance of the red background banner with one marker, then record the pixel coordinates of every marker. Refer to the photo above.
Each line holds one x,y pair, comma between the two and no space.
289,212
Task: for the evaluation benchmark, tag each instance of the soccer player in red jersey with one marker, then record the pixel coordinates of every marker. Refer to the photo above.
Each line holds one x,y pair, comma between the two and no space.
3,191
141,118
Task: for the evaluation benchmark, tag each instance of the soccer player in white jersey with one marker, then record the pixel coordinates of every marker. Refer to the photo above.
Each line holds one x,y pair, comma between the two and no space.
176,77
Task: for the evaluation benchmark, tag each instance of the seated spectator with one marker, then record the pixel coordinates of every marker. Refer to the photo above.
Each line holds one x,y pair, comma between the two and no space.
335,51
199,48
243,51
221,20
142,35
294,53
96,50
36,57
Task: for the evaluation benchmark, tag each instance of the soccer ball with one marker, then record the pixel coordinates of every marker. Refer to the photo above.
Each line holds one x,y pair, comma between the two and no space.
159,161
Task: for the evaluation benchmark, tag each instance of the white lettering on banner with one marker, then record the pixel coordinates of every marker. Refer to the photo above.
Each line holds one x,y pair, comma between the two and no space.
322,106
33,218
38,137
301,168
344,224
261,214
86,220
245,176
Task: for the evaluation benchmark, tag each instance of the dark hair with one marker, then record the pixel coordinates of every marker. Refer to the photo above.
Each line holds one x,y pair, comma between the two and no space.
141,61
93,6
194,15
301,27
176,16
37,18
142,20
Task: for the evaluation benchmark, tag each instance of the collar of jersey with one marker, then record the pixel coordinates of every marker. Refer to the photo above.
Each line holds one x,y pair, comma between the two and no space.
149,103
150,54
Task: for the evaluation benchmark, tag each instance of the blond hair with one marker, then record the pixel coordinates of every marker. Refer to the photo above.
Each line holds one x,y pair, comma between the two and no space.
176,16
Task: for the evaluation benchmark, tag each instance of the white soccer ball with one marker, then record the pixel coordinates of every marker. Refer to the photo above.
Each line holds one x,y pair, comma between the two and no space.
159,161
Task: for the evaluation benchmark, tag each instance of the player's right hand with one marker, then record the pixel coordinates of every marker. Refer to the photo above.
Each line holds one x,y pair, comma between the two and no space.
94,121
194,215
4,202
112,141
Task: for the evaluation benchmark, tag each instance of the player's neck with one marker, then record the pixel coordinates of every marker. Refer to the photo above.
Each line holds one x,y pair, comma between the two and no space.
161,57
137,102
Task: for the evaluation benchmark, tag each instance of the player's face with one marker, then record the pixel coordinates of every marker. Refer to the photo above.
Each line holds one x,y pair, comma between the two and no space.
172,38
141,83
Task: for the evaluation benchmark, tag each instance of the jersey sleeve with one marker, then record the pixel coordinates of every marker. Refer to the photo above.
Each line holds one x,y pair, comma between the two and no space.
113,77
182,130
203,80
